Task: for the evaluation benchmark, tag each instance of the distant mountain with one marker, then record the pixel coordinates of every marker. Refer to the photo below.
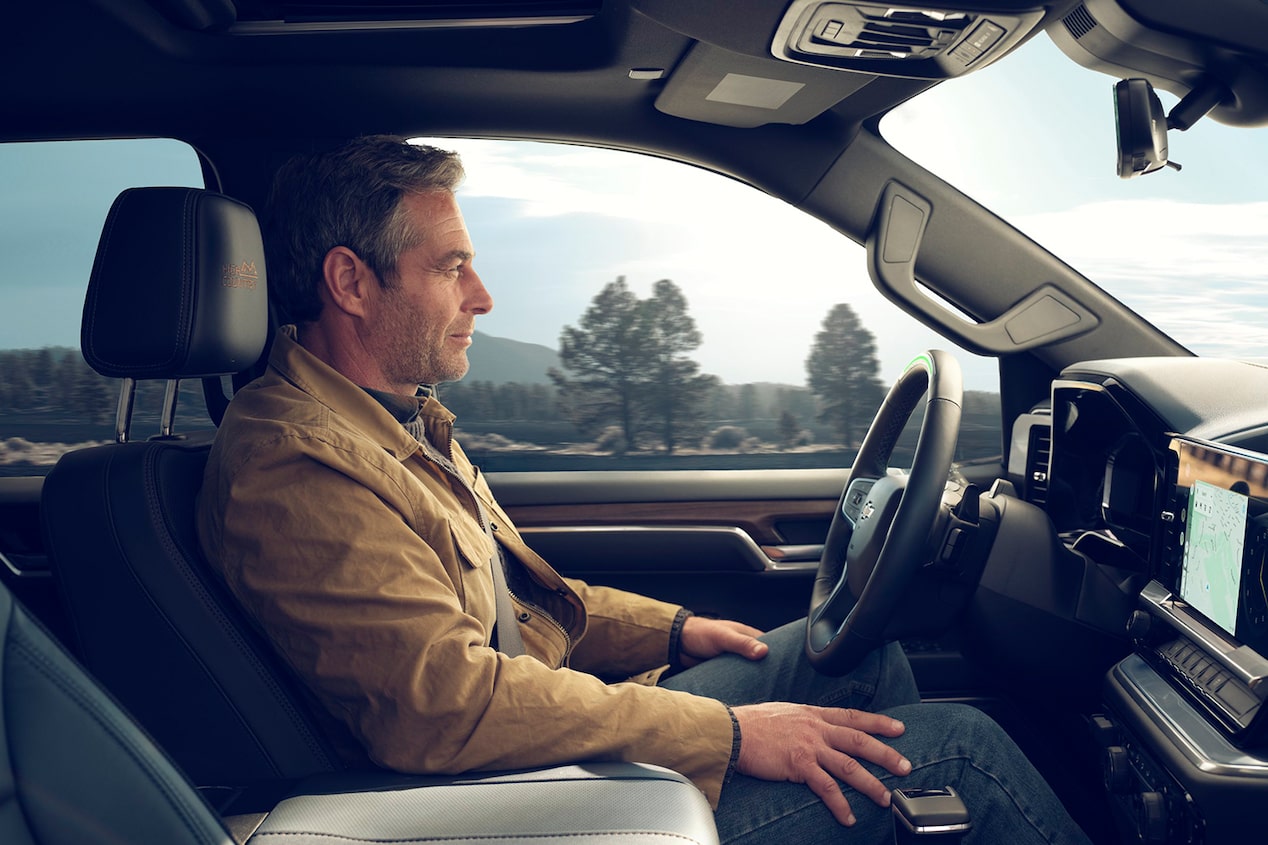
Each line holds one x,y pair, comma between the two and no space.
501,360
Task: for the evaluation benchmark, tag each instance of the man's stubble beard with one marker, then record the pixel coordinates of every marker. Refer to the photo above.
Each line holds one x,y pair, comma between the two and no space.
414,347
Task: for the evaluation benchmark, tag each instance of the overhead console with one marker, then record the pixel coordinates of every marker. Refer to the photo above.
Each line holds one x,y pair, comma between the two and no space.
923,41
764,64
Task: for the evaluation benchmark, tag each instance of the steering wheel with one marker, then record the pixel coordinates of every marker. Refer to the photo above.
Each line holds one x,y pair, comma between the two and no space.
880,531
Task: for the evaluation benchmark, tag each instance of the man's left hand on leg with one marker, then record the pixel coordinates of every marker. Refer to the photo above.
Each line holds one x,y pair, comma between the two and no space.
703,638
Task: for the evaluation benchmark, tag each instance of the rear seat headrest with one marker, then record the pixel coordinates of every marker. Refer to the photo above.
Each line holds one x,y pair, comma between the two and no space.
178,288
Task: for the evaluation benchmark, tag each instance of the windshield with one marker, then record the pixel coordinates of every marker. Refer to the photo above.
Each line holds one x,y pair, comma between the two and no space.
1186,250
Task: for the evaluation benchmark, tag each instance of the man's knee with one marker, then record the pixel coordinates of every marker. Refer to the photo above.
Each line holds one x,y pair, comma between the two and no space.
980,736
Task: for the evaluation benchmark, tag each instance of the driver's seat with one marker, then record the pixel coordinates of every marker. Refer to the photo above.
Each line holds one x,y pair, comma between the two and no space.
178,290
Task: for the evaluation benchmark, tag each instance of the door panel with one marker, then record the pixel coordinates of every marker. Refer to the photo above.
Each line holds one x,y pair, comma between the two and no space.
737,544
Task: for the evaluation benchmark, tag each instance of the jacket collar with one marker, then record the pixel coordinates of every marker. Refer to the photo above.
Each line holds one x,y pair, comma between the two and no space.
331,388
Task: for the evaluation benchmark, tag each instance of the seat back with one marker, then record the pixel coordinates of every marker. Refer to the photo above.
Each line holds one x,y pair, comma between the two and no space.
75,770
177,291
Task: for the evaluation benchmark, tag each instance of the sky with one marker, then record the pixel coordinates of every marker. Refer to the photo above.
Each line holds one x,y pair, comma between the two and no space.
54,198
552,224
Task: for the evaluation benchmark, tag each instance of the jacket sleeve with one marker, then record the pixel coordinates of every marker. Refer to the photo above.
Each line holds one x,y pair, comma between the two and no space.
628,634
321,547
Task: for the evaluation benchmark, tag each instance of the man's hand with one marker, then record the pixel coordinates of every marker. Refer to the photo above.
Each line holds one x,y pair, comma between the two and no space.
817,746
702,638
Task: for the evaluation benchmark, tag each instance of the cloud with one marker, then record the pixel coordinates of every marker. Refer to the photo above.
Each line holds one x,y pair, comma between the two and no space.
1195,270
557,179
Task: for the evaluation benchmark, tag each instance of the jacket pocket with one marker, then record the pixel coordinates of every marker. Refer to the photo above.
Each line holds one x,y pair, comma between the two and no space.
473,551
473,545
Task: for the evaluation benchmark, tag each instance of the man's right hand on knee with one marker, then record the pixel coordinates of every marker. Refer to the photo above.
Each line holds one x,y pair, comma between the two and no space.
819,746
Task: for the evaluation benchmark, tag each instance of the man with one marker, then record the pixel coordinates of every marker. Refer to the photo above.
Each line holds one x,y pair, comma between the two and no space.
353,528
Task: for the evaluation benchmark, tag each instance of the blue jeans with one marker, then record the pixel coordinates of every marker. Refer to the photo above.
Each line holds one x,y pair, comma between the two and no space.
947,744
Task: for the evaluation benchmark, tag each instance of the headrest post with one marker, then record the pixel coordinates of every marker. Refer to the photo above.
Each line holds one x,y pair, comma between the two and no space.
123,415
168,420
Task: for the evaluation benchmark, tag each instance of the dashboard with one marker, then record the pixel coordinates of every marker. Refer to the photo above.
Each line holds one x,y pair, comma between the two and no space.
1157,470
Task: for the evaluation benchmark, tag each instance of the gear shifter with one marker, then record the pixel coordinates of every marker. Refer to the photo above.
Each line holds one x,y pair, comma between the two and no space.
927,816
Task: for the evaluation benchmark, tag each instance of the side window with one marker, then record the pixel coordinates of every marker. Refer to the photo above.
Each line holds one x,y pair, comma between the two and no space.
53,200
648,314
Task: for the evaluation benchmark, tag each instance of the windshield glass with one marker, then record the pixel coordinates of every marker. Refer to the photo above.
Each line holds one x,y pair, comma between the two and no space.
1186,250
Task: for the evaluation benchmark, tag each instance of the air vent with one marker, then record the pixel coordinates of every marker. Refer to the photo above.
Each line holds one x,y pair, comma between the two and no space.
1038,454
896,40
1079,22
881,33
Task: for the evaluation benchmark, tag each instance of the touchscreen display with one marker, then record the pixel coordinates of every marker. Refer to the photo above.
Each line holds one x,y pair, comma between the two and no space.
1215,542
1222,496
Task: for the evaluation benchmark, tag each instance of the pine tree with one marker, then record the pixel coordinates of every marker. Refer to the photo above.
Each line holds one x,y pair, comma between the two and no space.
678,391
841,371
606,355
627,364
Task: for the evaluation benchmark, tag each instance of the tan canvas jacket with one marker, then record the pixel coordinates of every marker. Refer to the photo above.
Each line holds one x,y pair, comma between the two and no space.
364,561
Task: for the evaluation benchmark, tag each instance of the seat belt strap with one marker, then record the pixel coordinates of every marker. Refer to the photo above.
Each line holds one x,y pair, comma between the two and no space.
507,625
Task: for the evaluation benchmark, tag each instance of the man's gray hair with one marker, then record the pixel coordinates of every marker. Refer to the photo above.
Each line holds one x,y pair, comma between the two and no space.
350,197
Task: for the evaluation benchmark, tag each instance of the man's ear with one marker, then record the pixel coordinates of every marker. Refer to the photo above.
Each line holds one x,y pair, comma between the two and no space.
347,281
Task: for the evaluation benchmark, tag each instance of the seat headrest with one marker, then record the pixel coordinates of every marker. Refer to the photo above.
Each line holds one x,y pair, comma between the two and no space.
178,287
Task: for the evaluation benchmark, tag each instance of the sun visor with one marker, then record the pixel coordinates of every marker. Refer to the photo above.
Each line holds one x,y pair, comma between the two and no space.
713,85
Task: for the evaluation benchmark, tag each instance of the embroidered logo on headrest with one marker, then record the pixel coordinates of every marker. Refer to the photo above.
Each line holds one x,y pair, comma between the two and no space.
242,275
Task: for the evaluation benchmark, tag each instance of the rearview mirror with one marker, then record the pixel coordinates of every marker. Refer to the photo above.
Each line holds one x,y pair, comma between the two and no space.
1142,128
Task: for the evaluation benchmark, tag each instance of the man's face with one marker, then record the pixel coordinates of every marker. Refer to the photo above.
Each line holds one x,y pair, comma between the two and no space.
424,322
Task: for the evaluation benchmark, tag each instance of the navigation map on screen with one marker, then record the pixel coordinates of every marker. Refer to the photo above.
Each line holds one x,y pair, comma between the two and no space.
1214,543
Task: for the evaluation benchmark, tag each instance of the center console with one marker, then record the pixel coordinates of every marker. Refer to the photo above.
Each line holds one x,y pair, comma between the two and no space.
1185,734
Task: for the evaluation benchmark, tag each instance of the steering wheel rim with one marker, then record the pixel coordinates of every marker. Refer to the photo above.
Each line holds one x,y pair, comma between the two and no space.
880,529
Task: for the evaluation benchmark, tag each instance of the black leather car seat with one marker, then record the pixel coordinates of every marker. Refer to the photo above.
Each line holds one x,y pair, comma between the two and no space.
178,291
73,768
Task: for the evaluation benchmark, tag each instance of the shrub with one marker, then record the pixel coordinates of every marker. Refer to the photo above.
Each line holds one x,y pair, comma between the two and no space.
726,438
805,437
612,439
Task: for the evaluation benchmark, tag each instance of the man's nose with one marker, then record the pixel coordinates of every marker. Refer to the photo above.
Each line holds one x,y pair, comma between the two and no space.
478,300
